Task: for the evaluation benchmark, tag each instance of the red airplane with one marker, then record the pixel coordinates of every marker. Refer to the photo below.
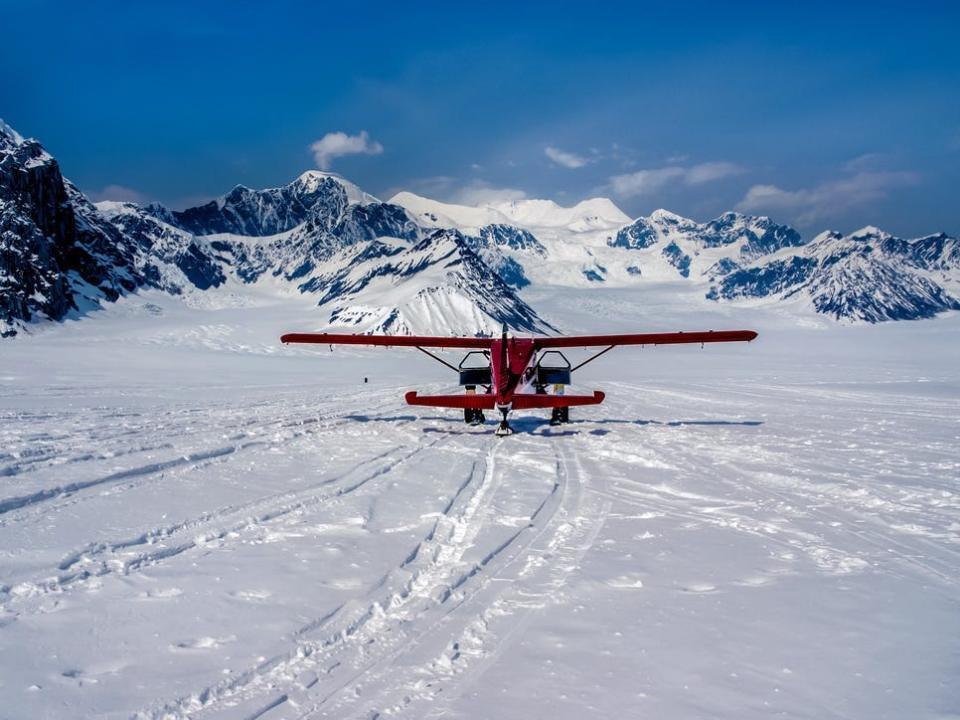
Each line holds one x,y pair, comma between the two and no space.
512,366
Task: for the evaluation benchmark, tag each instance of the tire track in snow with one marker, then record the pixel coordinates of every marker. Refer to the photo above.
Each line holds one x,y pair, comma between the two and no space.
443,597
793,512
313,425
86,440
103,558
536,579
353,636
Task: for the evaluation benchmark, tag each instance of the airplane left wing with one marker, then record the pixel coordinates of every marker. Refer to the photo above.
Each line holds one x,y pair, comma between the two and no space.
388,340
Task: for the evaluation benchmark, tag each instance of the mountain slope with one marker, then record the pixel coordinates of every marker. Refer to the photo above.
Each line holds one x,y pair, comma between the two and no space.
244,211
439,284
868,275
57,253
696,249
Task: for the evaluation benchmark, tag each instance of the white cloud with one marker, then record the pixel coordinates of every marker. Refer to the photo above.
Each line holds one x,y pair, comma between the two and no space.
482,193
710,171
336,144
827,199
449,189
647,182
564,158
118,193
434,186
861,163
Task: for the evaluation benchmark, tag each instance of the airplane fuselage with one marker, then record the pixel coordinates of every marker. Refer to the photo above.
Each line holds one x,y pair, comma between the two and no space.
510,361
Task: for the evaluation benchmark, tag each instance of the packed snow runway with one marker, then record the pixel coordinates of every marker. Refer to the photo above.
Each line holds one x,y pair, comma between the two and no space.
223,528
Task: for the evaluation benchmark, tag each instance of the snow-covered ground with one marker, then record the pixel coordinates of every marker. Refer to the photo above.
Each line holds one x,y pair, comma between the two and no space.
196,521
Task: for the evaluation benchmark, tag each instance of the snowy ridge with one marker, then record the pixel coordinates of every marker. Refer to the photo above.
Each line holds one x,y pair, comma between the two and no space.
596,213
868,275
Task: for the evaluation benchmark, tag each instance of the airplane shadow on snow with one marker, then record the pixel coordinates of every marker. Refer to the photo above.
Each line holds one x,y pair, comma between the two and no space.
541,426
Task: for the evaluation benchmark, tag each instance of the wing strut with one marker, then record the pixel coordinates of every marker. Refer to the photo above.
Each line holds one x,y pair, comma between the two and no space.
592,358
439,360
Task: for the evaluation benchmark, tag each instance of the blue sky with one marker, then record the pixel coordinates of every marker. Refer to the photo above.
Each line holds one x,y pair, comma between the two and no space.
823,115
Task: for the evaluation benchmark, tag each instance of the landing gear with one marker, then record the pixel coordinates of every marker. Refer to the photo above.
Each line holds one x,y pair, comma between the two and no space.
504,427
560,415
473,417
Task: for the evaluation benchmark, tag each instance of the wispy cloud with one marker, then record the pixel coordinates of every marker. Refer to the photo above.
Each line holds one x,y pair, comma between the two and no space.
118,193
645,182
865,162
482,193
827,199
711,171
648,182
337,144
563,158
451,189
433,186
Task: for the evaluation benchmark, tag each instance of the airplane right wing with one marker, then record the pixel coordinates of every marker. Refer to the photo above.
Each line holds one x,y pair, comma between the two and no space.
710,336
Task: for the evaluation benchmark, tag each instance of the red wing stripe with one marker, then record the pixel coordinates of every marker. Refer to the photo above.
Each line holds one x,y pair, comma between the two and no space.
647,339
387,340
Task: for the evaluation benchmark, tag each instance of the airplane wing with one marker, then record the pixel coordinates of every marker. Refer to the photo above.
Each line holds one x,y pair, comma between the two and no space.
388,340
710,336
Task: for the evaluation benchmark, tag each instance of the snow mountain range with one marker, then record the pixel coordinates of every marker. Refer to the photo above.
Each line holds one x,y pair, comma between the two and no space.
414,265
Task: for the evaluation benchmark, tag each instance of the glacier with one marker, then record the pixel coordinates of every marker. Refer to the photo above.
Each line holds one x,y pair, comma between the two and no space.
197,522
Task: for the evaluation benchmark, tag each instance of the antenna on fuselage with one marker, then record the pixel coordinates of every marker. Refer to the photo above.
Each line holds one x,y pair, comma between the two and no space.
503,352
